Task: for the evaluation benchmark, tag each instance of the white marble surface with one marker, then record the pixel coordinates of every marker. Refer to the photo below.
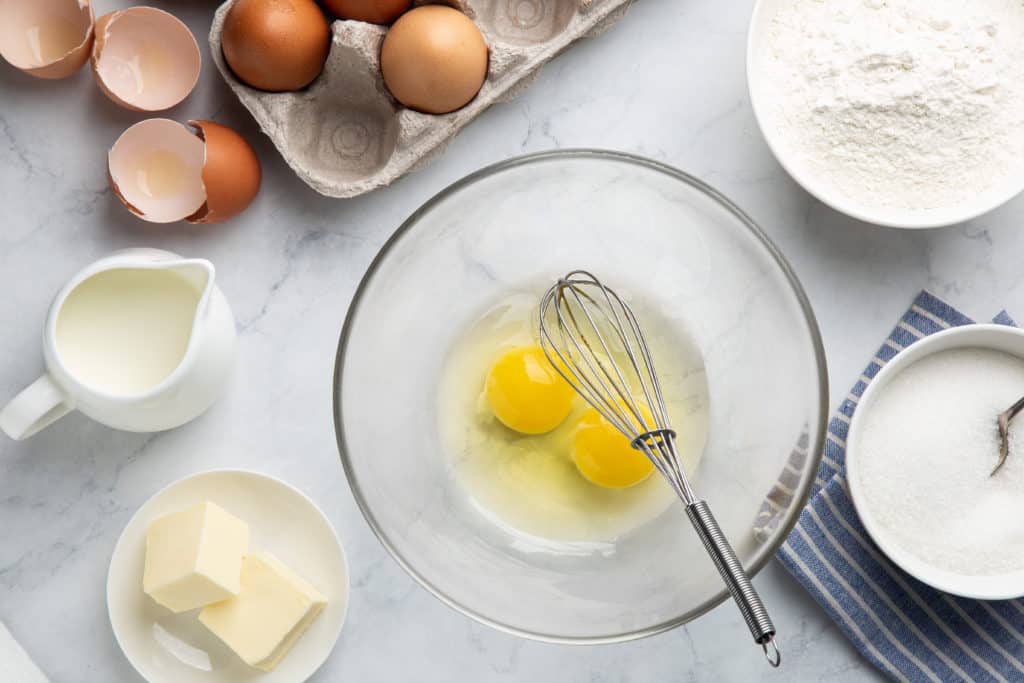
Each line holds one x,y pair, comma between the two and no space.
667,82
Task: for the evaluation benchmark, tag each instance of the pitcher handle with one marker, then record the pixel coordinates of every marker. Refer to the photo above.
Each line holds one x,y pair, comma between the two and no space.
38,406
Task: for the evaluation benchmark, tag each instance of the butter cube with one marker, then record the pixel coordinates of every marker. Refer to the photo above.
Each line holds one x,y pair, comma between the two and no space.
265,620
194,557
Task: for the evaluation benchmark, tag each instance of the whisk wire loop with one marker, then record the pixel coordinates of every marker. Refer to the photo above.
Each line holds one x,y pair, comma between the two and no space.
582,318
600,387
654,397
612,314
617,398
600,349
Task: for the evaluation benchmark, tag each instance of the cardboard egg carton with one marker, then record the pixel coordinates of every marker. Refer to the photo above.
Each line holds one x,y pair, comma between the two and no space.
345,135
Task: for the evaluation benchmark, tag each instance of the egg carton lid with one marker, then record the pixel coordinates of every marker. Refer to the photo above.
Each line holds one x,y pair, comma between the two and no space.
344,135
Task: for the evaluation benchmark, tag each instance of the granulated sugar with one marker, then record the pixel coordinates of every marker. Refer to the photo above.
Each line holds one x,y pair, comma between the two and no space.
927,447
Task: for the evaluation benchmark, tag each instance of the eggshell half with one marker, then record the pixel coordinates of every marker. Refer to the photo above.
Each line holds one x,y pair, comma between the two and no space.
145,59
181,193
46,38
231,173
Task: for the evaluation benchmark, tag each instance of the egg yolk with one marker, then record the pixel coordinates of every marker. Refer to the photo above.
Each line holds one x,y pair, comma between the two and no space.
526,393
604,456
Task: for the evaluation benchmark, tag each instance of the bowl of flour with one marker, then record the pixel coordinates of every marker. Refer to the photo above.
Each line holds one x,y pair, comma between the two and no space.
921,457
903,113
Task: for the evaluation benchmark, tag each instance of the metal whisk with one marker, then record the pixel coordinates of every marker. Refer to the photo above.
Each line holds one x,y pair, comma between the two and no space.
594,341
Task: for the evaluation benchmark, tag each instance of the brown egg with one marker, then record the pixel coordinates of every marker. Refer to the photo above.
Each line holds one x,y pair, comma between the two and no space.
163,171
372,11
434,59
46,38
276,45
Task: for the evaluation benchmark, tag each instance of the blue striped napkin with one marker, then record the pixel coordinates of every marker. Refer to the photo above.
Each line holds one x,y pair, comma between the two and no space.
908,630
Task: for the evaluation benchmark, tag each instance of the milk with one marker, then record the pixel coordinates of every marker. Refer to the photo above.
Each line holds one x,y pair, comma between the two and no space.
123,331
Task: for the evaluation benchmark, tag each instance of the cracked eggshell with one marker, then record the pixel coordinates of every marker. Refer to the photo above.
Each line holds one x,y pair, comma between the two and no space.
155,169
46,38
163,171
145,59
231,173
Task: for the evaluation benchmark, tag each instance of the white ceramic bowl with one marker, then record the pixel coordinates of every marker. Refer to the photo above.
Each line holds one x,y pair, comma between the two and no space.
757,45
996,337
175,648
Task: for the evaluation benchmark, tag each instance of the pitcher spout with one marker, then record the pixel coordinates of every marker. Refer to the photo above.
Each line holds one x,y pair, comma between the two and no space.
199,273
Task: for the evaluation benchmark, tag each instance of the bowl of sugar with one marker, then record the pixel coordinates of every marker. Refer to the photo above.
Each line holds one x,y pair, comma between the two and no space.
922,455
903,114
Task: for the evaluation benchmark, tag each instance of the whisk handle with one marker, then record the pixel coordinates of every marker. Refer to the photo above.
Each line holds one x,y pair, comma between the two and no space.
735,578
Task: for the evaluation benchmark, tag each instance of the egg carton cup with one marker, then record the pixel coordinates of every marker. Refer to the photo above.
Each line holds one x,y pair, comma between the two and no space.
344,135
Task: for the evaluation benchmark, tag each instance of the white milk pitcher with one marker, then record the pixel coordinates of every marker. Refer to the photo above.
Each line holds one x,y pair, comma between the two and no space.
142,340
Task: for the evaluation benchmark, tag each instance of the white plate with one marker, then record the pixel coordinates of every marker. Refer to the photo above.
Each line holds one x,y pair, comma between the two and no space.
175,648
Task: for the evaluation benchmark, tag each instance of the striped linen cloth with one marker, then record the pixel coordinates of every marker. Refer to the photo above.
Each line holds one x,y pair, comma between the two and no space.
908,630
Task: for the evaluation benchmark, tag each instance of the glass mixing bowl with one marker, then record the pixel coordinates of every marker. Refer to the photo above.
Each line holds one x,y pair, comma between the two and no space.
644,228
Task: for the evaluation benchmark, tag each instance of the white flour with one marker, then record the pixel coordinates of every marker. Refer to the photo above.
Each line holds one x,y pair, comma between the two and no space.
927,447
907,104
